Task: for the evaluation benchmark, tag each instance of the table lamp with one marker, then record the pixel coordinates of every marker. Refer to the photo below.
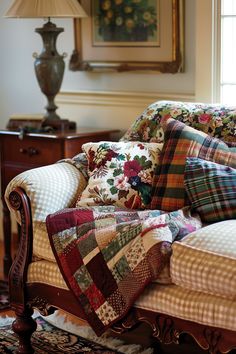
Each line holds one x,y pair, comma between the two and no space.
49,65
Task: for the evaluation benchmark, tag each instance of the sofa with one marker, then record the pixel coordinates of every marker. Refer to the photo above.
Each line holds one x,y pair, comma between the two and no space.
170,185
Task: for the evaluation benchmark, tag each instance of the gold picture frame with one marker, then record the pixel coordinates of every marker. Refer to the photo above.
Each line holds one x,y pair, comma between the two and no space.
163,52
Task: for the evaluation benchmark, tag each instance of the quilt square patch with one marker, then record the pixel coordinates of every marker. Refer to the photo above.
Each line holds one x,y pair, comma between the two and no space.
136,254
87,243
95,296
102,276
83,278
106,313
120,269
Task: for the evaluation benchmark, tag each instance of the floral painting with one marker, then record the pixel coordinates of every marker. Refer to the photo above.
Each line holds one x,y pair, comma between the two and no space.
130,35
126,22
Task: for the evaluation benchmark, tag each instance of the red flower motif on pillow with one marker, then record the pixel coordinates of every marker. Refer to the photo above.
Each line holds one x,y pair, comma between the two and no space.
132,168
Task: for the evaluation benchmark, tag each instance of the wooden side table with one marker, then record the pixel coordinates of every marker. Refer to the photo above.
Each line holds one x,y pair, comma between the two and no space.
34,150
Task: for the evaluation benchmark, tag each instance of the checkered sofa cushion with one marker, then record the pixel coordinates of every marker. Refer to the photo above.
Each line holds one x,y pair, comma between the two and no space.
205,260
211,310
174,300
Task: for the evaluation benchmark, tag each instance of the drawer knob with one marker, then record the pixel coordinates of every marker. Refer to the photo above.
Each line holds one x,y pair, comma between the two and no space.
30,151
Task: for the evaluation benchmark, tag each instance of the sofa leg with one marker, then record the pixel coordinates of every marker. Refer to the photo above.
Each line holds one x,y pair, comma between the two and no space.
24,326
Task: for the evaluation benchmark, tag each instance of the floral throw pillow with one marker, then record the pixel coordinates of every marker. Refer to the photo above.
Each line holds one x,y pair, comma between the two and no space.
120,173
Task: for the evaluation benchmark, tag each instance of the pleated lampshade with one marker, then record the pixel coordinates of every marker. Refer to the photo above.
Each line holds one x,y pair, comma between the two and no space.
45,8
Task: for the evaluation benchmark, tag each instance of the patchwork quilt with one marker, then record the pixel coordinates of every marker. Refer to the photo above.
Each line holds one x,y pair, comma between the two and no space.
108,255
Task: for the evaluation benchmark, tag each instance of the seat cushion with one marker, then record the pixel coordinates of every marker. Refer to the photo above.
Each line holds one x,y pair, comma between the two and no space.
189,305
174,300
205,260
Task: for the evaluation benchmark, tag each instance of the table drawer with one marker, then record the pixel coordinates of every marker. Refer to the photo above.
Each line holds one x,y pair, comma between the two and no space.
31,151
9,172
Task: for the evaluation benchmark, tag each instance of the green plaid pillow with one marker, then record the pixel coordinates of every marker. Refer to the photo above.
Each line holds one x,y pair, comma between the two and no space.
211,189
182,141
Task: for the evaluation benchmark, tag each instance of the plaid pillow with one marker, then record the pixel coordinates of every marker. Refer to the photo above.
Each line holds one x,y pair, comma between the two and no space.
211,189
182,141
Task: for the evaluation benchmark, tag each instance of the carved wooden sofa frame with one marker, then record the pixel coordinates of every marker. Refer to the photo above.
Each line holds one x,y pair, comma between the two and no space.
23,298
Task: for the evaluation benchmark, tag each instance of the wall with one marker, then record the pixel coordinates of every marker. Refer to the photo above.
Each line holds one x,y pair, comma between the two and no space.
19,91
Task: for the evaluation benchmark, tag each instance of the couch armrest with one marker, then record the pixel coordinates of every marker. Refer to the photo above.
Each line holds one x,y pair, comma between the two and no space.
49,188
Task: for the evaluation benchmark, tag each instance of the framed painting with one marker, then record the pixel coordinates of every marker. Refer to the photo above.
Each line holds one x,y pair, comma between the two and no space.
126,35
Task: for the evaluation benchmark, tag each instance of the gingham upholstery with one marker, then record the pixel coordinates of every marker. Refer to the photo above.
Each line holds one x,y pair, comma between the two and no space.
189,305
205,260
41,246
169,299
50,188
47,273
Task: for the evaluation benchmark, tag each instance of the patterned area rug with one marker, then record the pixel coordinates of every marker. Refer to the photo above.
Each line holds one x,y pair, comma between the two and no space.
51,339
4,298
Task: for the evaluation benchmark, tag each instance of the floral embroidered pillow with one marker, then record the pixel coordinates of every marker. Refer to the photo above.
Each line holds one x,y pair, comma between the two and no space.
120,173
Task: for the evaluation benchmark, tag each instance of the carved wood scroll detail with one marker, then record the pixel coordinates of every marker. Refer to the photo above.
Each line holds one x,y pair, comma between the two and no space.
167,330
42,305
126,324
212,338
18,272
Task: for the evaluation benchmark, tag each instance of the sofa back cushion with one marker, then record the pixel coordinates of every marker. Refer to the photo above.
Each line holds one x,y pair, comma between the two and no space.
216,120
182,141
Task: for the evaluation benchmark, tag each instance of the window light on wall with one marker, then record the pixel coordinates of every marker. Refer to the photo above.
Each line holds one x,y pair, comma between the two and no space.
228,52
